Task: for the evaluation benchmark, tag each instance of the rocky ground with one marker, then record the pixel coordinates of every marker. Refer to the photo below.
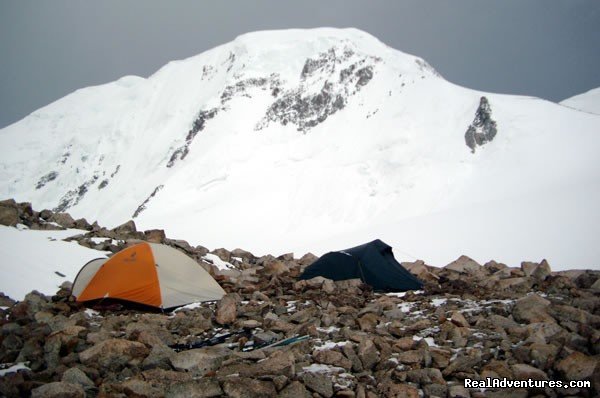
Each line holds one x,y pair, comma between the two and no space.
470,321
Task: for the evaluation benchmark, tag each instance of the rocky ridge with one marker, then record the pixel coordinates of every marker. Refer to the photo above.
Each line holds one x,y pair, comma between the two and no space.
470,321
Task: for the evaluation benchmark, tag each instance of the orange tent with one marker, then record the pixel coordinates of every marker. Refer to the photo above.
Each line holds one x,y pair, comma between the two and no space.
147,273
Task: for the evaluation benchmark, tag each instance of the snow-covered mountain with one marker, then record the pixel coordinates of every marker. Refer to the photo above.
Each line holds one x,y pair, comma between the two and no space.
317,140
586,102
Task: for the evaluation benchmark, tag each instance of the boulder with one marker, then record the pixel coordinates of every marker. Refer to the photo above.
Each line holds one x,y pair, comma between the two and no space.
319,383
278,363
293,390
125,228
458,319
332,357
63,219
198,388
113,354
242,387
227,309
532,308
577,366
523,371
200,361
464,265
155,235
78,376
368,354
140,388
542,271
391,389
58,389
9,215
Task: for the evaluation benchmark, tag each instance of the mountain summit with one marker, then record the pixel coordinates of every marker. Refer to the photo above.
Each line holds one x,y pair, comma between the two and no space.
316,140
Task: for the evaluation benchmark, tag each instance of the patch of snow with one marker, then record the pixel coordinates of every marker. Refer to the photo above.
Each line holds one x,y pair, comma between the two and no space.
402,294
96,240
436,302
330,329
331,344
13,369
21,227
30,259
90,313
321,368
405,307
217,262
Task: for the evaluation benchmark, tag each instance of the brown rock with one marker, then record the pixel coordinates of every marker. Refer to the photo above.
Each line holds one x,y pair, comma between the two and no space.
331,357
295,389
412,357
125,228
519,284
390,389
458,319
241,387
278,363
368,322
542,271
113,353
528,267
523,372
426,376
532,308
275,268
58,389
458,391
368,354
200,361
577,366
464,265
319,383
9,215
227,309
140,388
63,219
155,235
199,388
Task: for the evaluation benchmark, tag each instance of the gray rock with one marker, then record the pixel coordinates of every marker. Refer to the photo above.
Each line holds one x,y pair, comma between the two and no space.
483,128
78,376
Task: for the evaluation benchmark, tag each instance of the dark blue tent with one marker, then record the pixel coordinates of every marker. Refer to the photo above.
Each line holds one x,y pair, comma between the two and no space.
373,263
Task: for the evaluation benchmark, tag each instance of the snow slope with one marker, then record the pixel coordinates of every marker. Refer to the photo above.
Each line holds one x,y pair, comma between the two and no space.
587,102
32,260
315,140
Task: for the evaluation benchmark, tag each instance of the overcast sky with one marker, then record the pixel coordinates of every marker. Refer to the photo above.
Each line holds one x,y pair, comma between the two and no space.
544,48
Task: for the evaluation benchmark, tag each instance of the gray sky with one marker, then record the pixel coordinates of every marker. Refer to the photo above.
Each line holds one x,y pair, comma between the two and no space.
544,48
